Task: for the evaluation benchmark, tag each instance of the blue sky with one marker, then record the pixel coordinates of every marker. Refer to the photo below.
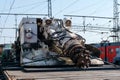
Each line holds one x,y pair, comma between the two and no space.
59,9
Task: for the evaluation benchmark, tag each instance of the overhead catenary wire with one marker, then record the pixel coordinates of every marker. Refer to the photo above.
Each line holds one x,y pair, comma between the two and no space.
44,8
86,7
53,1
7,37
9,11
8,15
4,6
40,9
107,22
66,7
18,14
89,27
97,10
27,5
33,7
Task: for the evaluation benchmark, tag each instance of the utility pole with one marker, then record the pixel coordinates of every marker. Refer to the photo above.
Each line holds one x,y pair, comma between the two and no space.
84,24
115,21
16,27
49,9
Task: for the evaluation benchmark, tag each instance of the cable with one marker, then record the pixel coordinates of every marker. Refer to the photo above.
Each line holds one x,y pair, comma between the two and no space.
91,5
7,15
29,4
53,2
7,37
23,6
2,11
44,7
97,8
107,22
66,7
4,6
9,12
36,6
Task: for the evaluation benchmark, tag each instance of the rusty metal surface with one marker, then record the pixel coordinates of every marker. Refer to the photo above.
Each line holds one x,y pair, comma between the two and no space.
65,75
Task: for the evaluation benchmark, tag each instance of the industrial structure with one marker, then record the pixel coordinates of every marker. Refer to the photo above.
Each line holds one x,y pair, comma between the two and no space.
115,18
46,43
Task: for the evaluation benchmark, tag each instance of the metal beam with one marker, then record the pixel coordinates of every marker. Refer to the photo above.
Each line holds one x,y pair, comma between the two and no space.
8,28
90,16
23,14
91,28
49,9
116,20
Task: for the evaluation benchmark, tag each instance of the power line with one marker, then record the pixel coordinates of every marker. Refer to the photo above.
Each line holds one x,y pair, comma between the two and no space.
4,6
91,5
8,15
98,7
9,11
23,6
107,22
33,7
67,7
53,1
7,37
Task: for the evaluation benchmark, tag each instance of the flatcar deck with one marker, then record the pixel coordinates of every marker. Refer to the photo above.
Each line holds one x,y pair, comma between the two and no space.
94,73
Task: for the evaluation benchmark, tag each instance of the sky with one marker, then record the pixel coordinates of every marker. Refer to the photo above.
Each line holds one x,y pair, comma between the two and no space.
59,9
